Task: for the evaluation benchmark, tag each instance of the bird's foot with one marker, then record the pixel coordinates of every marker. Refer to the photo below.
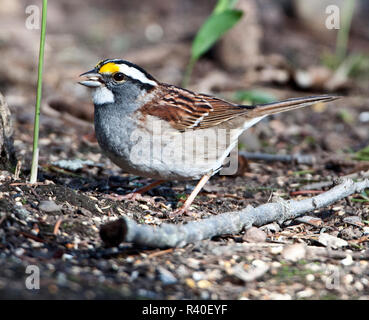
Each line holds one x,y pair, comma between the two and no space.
133,196
180,212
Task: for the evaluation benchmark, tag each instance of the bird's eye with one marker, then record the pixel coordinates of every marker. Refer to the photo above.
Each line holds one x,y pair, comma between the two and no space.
118,76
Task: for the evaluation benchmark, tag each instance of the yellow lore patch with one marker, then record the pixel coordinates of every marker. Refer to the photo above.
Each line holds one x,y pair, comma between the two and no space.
110,67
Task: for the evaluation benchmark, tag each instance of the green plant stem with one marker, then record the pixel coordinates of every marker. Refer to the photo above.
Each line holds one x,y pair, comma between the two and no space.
343,32
188,73
34,166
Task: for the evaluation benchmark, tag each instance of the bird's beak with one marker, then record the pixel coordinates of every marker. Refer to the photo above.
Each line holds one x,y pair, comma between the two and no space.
94,79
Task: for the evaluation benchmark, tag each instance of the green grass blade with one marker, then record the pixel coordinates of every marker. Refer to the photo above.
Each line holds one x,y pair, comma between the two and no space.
213,28
34,165
362,154
223,5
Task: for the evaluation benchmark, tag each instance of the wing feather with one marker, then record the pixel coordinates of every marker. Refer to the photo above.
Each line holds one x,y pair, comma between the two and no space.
184,109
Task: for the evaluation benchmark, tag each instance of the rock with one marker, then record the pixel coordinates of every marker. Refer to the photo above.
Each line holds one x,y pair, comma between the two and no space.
366,231
257,270
166,277
354,220
8,159
314,77
331,241
364,116
22,213
350,233
307,293
73,165
49,206
276,250
279,296
271,228
254,235
19,252
348,261
313,221
294,252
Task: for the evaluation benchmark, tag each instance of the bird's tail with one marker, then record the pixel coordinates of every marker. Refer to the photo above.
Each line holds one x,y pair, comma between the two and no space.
290,104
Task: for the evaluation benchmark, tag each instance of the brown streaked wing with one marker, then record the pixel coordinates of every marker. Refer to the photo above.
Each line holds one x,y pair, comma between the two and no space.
184,109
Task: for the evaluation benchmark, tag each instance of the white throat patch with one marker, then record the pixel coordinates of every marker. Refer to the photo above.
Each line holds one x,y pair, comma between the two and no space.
102,95
136,74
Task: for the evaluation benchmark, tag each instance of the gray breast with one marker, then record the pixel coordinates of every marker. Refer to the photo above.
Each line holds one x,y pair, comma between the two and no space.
156,150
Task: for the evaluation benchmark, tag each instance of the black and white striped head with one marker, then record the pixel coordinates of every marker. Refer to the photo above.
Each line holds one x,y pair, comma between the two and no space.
116,80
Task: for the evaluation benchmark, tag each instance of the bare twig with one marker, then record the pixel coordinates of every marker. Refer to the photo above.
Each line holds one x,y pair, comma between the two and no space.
324,184
304,192
344,161
297,158
170,235
57,226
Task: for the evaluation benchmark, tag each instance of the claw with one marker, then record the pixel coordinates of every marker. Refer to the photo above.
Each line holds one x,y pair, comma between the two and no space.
133,196
180,212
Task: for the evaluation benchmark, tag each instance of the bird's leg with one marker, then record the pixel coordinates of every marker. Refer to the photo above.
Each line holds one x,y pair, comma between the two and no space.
192,196
137,194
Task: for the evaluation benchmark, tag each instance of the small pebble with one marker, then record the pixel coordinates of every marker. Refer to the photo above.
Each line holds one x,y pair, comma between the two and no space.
350,233
348,261
307,293
20,251
310,277
197,276
204,284
254,234
166,277
347,279
366,231
355,220
276,250
61,279
279,296
271,228
49,206
21,212
331,241
258,269
358,286
67,256
364,116
294,252
190,283
144,207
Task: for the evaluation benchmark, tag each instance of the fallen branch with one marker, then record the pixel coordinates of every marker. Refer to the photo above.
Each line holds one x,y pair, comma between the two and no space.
170,235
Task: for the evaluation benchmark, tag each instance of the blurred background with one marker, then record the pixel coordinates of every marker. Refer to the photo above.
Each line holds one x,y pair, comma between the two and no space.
278,49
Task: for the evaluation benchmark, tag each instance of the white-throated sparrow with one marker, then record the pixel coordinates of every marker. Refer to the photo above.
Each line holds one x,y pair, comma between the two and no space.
164,132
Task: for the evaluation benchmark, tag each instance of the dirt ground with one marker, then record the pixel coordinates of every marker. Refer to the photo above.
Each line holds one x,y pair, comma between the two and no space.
54,225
